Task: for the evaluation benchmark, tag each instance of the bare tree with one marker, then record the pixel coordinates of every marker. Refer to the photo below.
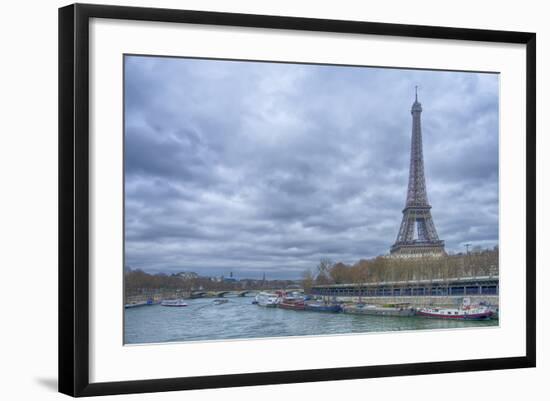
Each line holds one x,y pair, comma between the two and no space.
307,280
323,271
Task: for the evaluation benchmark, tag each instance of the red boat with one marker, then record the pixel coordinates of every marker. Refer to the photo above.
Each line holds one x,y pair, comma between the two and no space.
292,303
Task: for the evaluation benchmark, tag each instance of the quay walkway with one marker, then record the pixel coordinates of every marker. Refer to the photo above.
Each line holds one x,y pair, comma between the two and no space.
464,286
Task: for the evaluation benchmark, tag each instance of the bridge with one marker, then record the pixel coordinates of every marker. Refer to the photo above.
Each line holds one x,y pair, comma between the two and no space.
234,293
222,294
479,285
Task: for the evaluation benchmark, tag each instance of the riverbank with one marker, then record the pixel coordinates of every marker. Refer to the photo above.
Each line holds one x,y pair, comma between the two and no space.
416,301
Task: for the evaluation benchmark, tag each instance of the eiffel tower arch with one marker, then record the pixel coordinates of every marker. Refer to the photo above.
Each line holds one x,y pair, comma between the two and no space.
417,234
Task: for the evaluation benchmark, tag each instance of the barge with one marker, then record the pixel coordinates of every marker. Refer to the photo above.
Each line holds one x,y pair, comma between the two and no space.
292,303
376,310
475,313
322,307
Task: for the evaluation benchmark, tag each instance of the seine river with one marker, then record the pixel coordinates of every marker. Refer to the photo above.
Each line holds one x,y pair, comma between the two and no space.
239,318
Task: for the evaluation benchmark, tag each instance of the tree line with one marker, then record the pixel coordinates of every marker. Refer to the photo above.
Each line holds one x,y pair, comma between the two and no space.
382,268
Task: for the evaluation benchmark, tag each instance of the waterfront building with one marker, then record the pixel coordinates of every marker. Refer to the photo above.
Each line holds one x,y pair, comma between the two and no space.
417,236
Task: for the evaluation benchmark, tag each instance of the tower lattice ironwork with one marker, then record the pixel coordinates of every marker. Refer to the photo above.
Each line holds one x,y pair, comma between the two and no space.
417,234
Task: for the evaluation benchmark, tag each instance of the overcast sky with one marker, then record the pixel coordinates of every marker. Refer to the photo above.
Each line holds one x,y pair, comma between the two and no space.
251,167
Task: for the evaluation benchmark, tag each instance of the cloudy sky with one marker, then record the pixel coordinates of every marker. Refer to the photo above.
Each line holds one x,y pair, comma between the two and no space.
251,167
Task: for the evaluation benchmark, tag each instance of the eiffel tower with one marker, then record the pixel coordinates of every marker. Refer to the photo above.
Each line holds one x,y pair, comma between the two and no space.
417,235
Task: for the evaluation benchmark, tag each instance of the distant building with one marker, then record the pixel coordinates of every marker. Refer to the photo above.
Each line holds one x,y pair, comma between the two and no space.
187,275
229,279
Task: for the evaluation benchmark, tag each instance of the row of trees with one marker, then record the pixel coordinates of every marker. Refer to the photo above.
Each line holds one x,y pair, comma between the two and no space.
138,282
479,263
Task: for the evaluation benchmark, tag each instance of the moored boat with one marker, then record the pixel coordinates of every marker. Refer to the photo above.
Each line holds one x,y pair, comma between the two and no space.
135,304
267,299
376,310
148,302
469,313
293,303
173,302
322,307
466,312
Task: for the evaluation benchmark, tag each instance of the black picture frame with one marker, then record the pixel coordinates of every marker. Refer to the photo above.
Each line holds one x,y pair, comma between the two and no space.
74,198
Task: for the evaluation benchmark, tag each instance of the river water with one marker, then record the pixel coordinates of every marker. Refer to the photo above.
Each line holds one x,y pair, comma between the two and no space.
202,320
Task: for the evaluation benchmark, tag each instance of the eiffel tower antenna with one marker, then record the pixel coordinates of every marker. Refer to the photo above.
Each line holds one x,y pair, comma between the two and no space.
417,234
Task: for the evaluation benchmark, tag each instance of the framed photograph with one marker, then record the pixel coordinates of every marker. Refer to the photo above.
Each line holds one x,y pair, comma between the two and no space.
252,199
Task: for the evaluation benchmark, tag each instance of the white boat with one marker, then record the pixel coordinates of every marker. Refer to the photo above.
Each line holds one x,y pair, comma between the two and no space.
466,312
476,313
173,302
268,299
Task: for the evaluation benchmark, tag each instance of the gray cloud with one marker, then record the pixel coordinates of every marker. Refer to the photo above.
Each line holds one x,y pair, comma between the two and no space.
252,167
